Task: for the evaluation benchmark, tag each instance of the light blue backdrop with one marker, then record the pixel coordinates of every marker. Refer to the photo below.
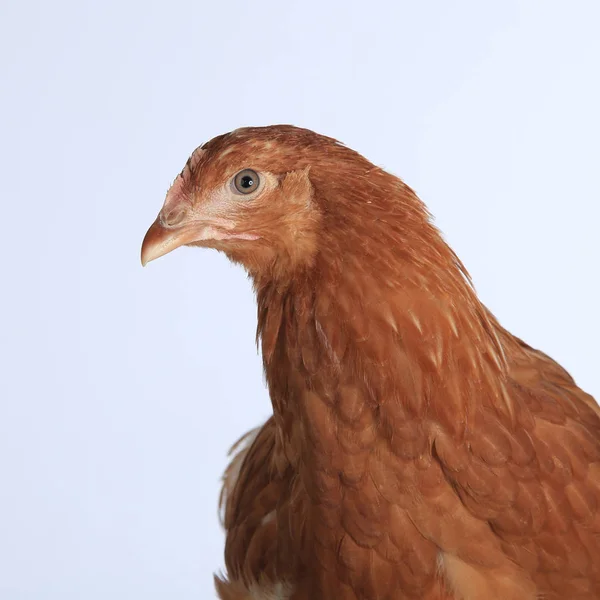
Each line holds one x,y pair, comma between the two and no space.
121,389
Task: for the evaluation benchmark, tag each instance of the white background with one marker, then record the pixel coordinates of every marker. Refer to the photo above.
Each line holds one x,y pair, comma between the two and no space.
122,388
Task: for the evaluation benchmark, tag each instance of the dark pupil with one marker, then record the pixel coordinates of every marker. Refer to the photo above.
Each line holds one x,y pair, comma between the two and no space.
247,181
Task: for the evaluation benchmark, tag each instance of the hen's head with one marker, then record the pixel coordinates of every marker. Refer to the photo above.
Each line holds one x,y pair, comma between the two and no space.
272,197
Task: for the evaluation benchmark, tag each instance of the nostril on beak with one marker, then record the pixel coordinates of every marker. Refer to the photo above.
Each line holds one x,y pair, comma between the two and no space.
174,217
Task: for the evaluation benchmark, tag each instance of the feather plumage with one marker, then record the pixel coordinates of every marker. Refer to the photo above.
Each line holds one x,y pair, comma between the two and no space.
417,449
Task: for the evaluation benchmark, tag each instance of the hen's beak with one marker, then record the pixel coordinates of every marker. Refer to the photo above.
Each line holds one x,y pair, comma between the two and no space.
175,227
160,240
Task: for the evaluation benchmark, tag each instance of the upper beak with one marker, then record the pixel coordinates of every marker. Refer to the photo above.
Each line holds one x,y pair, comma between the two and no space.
174,228
160,240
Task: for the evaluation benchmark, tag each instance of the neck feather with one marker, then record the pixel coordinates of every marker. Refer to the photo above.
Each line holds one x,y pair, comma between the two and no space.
391,332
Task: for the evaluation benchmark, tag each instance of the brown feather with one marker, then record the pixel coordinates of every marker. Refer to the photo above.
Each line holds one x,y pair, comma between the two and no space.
417,448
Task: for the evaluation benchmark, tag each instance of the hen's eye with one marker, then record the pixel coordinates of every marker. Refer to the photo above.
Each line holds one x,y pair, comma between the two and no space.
246,181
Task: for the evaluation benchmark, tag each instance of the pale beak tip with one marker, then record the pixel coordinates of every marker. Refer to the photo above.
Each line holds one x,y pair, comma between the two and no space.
159,241
153,237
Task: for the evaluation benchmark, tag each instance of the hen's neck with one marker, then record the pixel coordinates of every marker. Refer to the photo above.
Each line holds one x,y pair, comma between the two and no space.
345,339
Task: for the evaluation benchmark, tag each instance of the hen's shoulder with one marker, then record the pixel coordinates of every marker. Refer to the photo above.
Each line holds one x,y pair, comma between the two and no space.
253,488
536,480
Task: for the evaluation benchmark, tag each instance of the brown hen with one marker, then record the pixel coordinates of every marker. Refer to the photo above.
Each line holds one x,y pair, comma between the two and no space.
417,449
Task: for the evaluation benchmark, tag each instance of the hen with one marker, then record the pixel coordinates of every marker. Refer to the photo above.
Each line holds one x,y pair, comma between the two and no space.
417,449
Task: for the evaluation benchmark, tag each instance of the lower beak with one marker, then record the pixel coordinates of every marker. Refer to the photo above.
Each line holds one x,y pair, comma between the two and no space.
160,240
